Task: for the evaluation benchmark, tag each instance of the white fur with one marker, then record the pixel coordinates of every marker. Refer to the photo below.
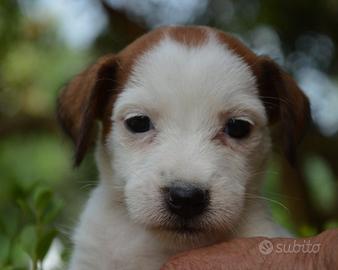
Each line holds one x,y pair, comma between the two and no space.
189,93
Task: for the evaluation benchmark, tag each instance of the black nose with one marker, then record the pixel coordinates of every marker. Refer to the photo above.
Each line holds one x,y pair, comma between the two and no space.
186,201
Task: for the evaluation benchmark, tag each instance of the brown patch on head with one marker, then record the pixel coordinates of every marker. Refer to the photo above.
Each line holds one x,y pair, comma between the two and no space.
192,36
189,35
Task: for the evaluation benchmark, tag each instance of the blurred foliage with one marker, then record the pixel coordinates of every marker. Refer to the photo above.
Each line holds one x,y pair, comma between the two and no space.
27,232
35,159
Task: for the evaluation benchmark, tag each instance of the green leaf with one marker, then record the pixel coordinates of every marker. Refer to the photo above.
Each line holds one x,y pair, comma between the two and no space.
41,199
44,244
19,258
28,239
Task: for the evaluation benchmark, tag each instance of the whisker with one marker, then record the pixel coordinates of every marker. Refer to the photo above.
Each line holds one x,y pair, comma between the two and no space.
253,196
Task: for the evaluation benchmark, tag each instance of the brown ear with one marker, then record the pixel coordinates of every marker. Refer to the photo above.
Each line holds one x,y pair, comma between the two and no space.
285,103
84,100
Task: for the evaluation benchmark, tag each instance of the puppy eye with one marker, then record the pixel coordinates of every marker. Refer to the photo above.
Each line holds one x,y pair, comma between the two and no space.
138,124
237,128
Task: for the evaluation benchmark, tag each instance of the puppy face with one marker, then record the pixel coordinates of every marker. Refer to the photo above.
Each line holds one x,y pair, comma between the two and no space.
185,115
179,122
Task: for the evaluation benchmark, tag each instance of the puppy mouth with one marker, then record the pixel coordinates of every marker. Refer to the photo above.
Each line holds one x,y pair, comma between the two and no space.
182,227
185,229
180,231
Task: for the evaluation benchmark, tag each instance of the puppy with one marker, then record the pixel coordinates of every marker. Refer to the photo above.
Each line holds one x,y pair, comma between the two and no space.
184,137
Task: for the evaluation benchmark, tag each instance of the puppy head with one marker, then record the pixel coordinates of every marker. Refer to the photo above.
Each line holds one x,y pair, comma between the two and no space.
185,115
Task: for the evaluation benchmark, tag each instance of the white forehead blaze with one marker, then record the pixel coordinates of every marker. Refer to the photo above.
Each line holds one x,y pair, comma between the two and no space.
181,81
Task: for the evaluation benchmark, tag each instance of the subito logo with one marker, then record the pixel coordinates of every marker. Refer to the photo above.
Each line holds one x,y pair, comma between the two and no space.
265,247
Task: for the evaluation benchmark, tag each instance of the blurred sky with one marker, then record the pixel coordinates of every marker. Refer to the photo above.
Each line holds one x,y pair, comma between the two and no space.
80,22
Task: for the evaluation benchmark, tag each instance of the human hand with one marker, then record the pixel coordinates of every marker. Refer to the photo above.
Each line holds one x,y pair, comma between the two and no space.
318,252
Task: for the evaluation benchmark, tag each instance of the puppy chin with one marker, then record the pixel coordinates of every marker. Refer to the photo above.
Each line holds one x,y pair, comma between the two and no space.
188,237
177,233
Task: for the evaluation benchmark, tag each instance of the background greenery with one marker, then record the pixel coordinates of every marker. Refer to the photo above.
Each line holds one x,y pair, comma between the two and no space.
40,193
